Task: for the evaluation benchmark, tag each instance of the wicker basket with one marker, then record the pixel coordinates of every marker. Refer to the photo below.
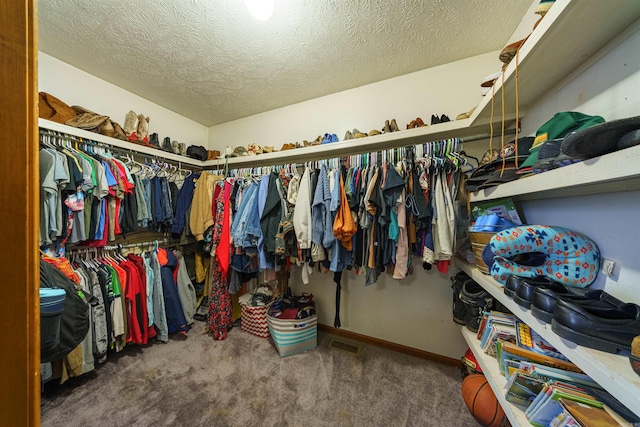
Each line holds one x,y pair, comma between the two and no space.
479,240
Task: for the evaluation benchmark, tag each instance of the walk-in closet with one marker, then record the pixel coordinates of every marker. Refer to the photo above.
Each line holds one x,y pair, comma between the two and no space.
320,213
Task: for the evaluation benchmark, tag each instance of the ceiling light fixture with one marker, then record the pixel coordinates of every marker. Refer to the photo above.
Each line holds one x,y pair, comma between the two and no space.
260,9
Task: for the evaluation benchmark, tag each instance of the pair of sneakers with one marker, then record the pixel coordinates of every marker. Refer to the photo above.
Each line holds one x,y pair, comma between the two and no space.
470,301
329,137
442,119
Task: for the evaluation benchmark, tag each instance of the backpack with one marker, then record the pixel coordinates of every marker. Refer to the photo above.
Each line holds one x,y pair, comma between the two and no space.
197,152
74,321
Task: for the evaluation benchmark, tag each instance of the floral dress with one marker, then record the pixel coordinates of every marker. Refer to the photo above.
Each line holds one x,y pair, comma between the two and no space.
220,305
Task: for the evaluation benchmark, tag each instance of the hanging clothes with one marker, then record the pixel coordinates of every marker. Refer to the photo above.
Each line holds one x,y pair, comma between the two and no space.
220,306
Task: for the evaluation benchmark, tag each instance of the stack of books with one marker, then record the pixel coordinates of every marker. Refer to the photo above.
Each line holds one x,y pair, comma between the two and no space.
551,390
496,326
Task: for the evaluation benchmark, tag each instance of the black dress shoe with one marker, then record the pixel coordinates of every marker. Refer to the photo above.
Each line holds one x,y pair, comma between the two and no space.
524,293
610,330
444,118
513,283
435,119
545,299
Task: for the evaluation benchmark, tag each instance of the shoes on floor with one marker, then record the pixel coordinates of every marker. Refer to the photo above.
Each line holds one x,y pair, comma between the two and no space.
609,330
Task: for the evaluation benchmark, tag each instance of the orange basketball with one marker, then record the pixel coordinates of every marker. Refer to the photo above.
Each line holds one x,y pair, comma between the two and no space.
482,403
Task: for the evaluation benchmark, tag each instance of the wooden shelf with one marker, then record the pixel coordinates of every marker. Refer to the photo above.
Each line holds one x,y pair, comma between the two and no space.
558,45
616,171
611,371
497,382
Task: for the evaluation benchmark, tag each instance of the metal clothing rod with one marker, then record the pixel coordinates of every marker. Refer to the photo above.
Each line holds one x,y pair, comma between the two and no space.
111,148
163,242
487,136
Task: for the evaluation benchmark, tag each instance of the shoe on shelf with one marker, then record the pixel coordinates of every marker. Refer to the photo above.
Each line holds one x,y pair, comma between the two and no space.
465,115
255,149
387,127
154,141
357,134
509,51
412,124
394,126
435,119
545,299
131,125
524,294
347,136
604,329
374,132
334,137
459,309
476,301
166,145
444,118
488,81
143,129
419,123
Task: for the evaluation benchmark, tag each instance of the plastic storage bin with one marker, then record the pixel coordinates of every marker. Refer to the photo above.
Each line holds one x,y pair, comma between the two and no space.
51,306
292,336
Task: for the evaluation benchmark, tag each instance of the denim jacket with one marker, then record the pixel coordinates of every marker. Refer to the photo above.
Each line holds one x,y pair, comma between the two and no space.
245,229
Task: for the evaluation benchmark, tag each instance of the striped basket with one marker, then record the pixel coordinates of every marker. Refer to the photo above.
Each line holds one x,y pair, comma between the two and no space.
254,320
292,336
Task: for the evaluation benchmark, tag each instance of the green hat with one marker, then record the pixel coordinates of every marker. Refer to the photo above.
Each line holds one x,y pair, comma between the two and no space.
558,127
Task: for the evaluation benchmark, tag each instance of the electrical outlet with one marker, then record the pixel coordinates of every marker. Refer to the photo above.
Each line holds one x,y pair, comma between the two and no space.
607,267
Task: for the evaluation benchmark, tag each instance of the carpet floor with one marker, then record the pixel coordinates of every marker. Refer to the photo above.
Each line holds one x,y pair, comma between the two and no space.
196,381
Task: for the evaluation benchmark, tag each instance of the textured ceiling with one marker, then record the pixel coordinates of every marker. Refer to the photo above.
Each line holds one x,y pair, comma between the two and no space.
210,61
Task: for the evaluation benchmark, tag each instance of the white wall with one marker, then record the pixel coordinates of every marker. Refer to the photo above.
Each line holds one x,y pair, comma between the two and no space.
76,87
415,312
610,88
448,89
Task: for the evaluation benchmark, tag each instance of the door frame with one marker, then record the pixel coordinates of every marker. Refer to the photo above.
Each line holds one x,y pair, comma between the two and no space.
19,215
